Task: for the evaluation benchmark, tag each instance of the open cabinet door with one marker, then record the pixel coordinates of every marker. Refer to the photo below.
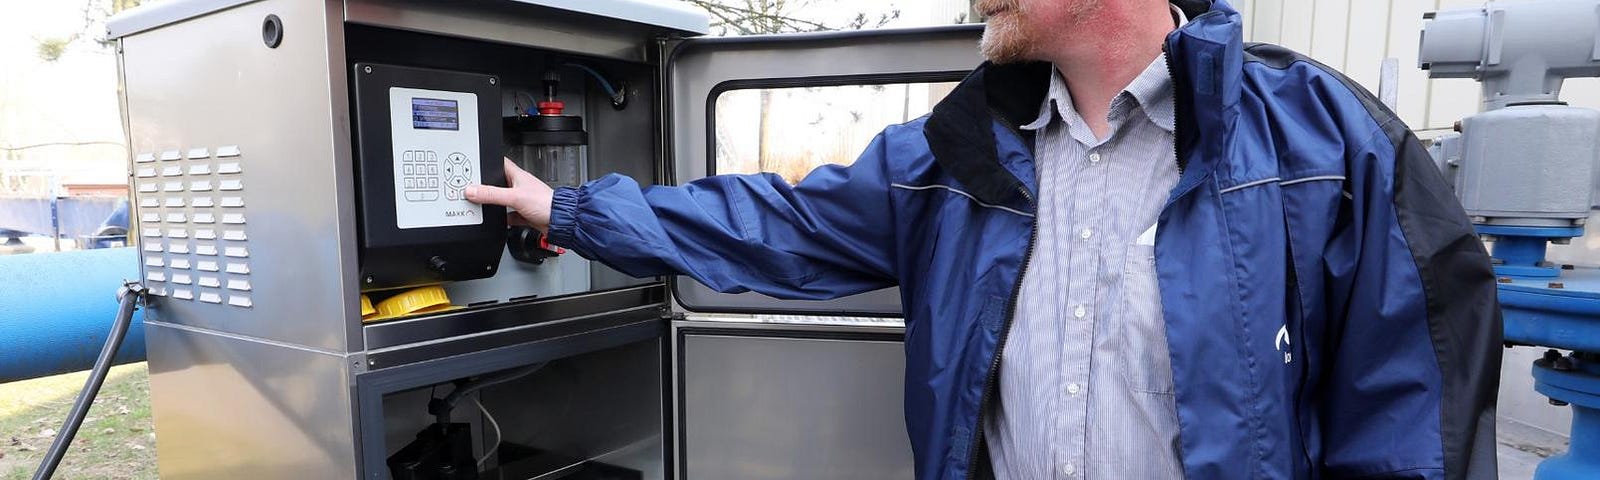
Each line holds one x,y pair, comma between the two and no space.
788,103
778,389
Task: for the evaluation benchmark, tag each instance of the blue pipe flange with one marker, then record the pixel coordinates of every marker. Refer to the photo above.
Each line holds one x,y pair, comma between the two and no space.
1577,382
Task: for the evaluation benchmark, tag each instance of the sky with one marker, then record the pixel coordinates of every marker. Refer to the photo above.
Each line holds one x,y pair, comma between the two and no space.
71,100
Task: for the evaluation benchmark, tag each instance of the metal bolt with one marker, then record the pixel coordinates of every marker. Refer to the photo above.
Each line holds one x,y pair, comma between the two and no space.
366,69
492,81
1550,357
369,278
1504,279
488,268
1557,285
1558,403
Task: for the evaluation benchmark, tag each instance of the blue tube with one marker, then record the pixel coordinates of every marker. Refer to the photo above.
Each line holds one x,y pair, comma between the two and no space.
57,308
601,79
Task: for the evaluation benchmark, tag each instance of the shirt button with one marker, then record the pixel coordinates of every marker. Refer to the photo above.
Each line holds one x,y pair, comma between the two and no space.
1079,311
1085,234
1094,157
1068,469
1073,388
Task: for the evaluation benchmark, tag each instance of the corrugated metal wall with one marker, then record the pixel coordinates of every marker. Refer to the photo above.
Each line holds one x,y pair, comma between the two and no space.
1355,36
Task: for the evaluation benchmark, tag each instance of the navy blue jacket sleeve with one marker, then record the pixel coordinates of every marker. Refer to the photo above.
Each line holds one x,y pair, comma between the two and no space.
1414,338
828,236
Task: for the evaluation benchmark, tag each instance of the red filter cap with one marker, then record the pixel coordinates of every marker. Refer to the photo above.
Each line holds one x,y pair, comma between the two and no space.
553,107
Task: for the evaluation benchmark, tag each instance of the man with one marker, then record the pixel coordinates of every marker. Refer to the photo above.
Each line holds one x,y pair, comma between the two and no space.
1127,249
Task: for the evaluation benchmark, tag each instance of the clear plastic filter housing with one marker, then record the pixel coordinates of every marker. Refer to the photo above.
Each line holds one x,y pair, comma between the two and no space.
557,165
551,147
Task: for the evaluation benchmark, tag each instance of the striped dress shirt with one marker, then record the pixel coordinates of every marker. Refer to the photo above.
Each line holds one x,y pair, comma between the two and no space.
1085,380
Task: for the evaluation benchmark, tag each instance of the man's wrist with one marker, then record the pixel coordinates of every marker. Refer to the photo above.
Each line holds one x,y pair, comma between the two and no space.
541,209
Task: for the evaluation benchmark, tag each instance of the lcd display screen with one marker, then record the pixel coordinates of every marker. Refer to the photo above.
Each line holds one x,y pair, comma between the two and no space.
435,114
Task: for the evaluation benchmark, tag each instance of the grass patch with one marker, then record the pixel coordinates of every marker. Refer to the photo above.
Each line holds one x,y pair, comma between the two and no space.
117,440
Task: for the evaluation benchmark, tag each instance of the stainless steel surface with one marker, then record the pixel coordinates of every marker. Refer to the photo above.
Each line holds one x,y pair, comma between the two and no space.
796,323
604,405
661,13
228,407
286,387
624,141
505,317
790,404
517,23
669,15
587,352
700,67
628,324
156,14
283,111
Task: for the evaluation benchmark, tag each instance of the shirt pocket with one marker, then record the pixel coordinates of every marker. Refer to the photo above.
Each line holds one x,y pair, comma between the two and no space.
1142,330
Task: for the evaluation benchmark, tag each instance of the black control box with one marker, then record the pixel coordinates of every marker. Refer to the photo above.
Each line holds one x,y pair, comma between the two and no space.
423,136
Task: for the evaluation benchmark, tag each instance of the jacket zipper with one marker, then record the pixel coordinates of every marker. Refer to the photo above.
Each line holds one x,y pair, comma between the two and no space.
993,376
1172,75
999,350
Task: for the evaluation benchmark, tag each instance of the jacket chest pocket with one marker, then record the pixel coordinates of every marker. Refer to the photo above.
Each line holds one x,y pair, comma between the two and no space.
1146,365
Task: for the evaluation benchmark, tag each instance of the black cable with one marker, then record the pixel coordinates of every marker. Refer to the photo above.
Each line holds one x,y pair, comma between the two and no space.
441,407
130,294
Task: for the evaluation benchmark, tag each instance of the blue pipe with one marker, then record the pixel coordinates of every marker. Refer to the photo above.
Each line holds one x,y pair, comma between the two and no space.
57,308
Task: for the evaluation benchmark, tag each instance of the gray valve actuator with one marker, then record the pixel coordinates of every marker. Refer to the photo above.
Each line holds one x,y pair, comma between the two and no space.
1527,159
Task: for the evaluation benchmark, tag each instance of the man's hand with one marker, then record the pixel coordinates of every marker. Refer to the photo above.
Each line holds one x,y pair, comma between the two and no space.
527,201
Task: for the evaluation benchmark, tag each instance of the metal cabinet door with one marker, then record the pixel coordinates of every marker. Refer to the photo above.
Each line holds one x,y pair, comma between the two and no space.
700,70
780,396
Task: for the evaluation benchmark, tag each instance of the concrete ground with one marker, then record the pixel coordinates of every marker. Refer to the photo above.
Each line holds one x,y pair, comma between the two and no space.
1522,447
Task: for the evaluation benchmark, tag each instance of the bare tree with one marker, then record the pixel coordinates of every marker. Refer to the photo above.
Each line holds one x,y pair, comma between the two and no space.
754,17
95,12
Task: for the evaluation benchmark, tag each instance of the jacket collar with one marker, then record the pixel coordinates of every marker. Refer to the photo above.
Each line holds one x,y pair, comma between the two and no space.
961,132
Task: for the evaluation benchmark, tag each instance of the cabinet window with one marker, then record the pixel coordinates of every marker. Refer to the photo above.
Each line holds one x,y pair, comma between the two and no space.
792,130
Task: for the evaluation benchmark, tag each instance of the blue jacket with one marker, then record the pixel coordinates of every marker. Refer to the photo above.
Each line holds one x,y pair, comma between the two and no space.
1330,312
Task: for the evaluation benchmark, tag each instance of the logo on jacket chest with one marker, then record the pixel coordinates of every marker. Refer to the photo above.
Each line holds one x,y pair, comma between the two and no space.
1282,342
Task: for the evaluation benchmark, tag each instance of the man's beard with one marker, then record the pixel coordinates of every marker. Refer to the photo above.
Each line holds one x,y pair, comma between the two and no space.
1005,40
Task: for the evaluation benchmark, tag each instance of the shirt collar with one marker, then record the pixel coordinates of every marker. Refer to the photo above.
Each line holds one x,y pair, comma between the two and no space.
1152,88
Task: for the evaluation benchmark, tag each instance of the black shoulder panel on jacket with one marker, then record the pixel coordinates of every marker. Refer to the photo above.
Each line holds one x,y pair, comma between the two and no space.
1278,57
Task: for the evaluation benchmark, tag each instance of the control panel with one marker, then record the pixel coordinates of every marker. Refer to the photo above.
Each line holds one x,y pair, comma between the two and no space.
435,154
424,136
